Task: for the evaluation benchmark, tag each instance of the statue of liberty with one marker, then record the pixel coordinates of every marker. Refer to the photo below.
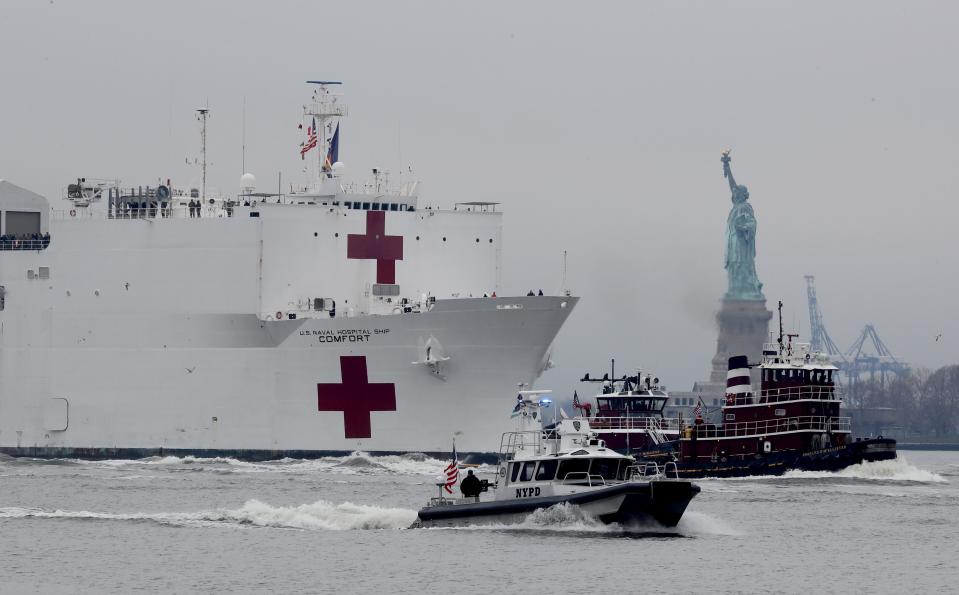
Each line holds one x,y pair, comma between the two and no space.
740,242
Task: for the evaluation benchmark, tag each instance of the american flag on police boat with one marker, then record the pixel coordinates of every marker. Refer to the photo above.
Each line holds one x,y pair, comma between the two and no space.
452,472
310,140
698,411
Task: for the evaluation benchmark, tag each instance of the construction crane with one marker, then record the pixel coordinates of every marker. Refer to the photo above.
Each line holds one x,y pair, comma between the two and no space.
819,336
856,363
879,365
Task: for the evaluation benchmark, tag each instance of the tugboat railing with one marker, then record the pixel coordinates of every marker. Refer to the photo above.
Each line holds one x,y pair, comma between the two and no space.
635,423
781,395
816,423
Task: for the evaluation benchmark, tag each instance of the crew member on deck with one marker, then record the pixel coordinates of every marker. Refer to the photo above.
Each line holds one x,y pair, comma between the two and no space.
470,486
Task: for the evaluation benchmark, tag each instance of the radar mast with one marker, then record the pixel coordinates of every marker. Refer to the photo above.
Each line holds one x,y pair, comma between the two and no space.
324,107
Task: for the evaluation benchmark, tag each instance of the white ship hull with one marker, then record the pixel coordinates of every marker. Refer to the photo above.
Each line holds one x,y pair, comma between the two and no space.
238,385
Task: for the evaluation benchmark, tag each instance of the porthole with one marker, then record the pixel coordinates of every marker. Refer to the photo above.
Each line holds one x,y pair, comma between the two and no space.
417,238
444,239
477,240
315,234
491,240
336,235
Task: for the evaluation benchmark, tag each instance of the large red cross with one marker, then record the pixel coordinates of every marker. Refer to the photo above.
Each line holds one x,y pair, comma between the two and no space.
376,245
355,396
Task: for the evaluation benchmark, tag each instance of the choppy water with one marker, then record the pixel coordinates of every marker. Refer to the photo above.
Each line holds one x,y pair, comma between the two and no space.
338,525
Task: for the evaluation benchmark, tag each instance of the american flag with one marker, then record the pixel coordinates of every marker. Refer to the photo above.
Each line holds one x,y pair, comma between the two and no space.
699,408
452,472
583,407
310,140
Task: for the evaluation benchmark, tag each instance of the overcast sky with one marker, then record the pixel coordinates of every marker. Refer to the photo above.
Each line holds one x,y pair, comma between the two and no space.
598,126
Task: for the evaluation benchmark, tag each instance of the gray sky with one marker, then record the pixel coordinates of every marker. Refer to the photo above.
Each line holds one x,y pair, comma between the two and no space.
598,127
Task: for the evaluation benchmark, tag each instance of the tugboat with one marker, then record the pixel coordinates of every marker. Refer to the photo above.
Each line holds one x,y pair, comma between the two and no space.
563,462
793,422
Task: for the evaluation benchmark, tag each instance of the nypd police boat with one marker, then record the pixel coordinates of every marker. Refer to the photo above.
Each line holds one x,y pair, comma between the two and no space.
542,465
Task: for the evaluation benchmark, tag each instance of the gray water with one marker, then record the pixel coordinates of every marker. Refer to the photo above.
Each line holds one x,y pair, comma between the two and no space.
338,525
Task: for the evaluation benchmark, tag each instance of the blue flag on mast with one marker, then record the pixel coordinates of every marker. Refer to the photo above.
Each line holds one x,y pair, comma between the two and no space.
333,155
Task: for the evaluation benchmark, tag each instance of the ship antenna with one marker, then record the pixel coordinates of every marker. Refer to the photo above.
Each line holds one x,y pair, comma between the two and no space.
243,155
202,115
564,290
780,325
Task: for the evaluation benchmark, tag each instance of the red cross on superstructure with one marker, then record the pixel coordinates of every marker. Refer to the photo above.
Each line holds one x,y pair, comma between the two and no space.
376,245
356,397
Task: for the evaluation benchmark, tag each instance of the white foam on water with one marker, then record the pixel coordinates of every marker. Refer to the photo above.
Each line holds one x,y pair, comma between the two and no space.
320,515
897,469
357,462
562,517
184,519
169,460
700,523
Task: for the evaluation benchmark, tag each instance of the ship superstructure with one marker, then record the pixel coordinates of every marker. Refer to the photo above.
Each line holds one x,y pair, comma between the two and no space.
337,317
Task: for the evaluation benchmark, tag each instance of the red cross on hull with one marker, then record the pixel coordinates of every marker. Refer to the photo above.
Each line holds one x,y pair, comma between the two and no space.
376,245
356,397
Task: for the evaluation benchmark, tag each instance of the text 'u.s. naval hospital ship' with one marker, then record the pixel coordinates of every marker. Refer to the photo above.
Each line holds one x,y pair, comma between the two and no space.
145,321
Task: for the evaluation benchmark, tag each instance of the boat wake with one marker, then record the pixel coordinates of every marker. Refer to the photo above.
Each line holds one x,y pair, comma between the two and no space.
699,523
897,469
327,516
355,463
571,519
320,515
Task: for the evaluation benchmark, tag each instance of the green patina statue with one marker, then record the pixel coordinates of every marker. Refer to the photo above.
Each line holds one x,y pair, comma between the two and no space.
740,242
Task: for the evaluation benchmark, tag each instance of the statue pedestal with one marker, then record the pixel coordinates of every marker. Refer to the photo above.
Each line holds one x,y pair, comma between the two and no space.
743,328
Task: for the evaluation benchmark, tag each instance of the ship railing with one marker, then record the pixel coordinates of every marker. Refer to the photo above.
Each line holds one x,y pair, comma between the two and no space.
584,478
634,423
818,423
514,442
671,466
651,469
170,211
173,211
10,244
443,500
792,393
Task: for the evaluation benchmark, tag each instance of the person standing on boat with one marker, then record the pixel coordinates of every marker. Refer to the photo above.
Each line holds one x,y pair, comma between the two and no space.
471,486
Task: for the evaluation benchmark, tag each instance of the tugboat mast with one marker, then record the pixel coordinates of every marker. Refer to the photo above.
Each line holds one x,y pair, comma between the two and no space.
202,115
780,326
